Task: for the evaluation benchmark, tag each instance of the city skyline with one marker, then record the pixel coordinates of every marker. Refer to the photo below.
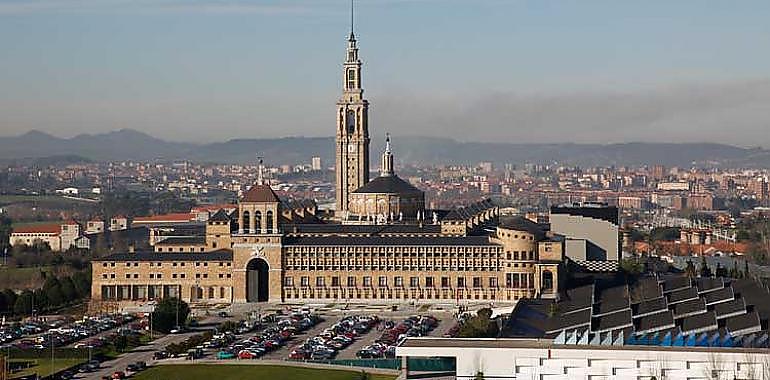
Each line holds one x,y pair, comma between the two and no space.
509,71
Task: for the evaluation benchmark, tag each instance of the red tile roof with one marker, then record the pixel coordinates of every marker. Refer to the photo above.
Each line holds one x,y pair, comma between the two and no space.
177,217
260,193
53,228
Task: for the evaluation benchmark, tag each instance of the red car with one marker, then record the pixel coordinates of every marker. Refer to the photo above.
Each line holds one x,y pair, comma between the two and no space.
244,354
118,375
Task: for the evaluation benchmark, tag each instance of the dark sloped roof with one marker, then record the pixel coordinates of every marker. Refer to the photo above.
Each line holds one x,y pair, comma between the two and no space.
730,307
614,321
390,240
260,193
675,283
388,185
699,322
651,306
221,255
708,284
743,322
182,240
655,322
682,295
569,321
721,295
455,214
690,307
520,223
362,229
220,216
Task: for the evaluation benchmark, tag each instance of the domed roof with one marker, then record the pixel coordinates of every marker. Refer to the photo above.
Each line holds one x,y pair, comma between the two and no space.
388,185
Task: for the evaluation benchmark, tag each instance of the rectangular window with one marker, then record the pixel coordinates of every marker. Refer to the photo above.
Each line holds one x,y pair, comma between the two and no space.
320,281
288,281
367,281
429,282
460,282
477,282
304,281
444,282
383,281
493,282
335,281
414,282
351,281
399,281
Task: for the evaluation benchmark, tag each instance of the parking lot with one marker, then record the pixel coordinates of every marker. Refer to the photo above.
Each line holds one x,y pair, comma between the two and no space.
332,335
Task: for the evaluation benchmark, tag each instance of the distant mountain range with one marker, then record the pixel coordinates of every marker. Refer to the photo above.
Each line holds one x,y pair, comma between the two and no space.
127,144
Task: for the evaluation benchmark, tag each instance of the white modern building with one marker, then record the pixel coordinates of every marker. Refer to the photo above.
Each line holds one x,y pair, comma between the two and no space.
541,359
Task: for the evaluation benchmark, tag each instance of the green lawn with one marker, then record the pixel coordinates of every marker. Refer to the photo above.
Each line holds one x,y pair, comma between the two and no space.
243,372
44,367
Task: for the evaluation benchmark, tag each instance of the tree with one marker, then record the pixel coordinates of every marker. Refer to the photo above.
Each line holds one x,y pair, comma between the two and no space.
120,342
479,326
690,269
721,271
68,290
170,312
82,282
23,304
10,300
705,271
746,268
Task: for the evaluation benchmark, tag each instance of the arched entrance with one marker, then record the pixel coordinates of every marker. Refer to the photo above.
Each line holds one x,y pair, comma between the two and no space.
257,281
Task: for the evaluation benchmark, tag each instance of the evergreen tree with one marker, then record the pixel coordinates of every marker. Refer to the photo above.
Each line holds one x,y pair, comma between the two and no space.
690,269
10,299
23,304
68,290
164,318
705,271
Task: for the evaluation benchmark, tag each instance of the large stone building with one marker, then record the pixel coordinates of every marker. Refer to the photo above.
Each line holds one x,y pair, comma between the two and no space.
383,245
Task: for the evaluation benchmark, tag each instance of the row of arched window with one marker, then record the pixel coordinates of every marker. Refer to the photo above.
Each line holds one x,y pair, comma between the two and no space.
257,220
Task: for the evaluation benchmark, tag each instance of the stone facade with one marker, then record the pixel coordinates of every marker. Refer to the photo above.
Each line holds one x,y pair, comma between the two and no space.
352,131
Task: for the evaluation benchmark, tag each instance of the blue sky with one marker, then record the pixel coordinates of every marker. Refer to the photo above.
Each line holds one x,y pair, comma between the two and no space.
203,70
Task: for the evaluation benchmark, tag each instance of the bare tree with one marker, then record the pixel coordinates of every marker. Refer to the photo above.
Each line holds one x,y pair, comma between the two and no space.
714,366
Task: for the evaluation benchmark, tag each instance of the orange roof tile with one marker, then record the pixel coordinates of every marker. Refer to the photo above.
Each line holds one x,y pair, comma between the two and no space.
175,217
53,228
260,193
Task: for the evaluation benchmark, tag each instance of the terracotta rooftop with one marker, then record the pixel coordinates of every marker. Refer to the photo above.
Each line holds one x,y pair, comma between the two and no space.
175,217
53,228
260,193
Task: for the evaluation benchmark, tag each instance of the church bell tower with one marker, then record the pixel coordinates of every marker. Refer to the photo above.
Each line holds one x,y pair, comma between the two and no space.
352,137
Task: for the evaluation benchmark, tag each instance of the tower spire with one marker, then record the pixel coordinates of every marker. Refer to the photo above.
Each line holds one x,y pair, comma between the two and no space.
352,13
261,175
386,168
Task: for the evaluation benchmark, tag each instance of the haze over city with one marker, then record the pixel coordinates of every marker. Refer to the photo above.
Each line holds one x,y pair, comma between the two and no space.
487,70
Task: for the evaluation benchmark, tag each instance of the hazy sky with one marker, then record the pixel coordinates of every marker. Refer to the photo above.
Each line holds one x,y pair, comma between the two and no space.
474,70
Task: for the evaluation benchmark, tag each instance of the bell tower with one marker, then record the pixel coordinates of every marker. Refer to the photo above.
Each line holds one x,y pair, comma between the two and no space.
352,136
